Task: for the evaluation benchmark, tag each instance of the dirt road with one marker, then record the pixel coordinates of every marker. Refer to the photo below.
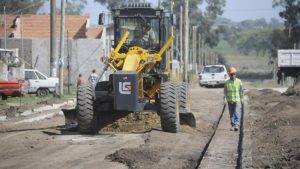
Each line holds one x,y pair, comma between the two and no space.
41,143
271,139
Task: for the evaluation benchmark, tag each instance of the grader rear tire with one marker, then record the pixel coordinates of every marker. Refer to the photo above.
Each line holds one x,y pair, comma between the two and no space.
169,108
87,118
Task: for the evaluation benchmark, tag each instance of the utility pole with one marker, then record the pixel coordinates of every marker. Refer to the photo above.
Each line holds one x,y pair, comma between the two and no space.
186,39
194,49
172,30
202,52
176,46
53,39
4,12
22,42
68,60
62,48
181,36
181,42
199,52
205,54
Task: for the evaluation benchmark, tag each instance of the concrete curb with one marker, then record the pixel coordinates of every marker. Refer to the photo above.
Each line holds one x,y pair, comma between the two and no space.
43,108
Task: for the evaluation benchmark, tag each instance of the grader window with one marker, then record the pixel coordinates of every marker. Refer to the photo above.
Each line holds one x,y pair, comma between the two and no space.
142,33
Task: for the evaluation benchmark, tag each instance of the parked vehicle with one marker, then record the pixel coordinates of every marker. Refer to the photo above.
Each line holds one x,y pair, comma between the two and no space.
213,75
11,88
11,74
39,83
289,63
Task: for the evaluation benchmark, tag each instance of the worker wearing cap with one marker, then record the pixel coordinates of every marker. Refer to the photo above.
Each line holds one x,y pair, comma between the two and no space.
233,95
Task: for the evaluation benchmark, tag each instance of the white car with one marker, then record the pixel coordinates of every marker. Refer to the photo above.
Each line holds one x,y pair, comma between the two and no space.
213,75
39,83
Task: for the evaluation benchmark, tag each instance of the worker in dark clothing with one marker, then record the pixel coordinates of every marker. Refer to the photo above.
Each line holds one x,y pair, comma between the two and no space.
279,77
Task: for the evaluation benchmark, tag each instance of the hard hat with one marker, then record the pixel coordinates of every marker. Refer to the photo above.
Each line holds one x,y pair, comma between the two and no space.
232,70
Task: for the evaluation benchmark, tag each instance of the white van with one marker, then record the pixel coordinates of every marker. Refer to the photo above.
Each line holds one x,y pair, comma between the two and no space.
39,83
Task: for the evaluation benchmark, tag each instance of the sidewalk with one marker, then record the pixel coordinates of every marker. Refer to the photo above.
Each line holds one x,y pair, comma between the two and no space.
223,149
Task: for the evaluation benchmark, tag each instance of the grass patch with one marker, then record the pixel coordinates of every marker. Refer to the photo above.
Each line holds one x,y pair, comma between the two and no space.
31,99
250,63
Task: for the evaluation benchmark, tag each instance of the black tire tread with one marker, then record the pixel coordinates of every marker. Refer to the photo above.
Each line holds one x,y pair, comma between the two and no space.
85,107
183,96
169,116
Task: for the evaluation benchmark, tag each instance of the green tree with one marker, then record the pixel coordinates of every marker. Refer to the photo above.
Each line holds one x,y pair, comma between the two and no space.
291,14
75,7
202,19
21,6
113,3
279,40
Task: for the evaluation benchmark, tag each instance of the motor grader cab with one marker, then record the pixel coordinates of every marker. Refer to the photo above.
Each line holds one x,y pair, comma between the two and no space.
140,80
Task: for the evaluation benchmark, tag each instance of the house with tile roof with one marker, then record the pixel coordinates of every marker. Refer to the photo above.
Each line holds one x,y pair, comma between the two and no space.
84,44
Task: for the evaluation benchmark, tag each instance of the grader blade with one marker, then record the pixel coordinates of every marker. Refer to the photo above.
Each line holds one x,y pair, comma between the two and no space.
187,118
70,117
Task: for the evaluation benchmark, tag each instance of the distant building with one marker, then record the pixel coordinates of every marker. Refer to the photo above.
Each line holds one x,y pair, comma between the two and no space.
31,35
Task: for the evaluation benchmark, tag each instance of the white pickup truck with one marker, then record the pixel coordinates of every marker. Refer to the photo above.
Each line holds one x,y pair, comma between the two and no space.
289,62
213,75
39,83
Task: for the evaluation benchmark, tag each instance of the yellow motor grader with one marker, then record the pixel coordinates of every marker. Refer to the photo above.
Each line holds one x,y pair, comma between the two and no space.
141,74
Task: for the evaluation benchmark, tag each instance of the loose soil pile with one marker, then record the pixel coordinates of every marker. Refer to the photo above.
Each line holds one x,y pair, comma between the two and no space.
135,122
275,126
137,157
132,122
167,150
293,90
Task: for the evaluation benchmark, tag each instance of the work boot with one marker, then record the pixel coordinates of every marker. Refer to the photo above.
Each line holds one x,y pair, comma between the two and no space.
236,129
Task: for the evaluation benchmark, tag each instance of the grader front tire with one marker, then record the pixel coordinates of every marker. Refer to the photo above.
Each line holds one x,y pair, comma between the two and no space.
87,119
169,108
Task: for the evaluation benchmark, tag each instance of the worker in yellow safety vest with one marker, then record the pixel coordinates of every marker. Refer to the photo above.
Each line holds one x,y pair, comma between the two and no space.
233,96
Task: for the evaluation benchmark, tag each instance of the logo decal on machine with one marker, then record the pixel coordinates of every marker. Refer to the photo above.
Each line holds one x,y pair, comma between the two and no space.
125,87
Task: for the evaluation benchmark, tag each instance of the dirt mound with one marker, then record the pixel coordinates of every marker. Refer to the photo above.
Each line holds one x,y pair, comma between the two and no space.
141,157
293,90
263,93
275,130
134,122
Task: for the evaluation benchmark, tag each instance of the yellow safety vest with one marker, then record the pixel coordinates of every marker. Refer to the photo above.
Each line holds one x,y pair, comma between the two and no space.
233,90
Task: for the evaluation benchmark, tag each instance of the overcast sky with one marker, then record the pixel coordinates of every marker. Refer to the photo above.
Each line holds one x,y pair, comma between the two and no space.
236,10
